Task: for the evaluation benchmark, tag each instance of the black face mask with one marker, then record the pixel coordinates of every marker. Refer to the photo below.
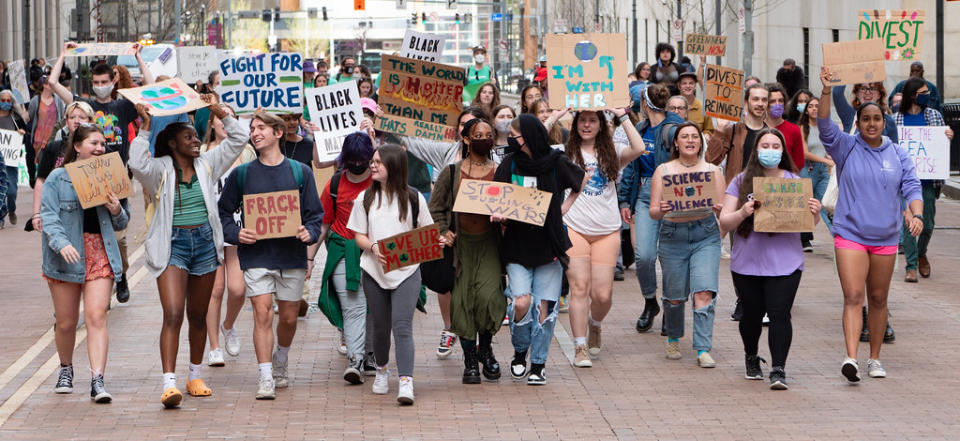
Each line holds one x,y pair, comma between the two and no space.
481,147
513,144
348,70
357,169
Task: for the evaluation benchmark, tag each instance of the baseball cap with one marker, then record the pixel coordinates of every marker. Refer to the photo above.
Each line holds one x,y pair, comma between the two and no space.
368,104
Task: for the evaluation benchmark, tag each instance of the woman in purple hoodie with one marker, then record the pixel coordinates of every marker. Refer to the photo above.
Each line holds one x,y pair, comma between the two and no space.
873,173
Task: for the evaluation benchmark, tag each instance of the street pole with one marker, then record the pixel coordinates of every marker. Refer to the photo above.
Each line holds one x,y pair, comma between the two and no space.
176,21
940,59
26,33
679,17
635,39
747,38
718,17
229,24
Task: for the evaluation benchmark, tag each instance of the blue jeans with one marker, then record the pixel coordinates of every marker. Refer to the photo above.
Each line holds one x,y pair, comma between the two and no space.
12,174
193,250
690,258
646,232
820,177
529,332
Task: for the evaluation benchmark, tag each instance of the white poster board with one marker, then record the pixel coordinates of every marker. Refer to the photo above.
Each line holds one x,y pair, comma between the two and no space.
422,45
272,81
196,62
336,110
930,149
11,144
16,71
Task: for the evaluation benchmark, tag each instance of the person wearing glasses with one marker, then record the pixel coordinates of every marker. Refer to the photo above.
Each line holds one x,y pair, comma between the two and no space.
347,68
679,105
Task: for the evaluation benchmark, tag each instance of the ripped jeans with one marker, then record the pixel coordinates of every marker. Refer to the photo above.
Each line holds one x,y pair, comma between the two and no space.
530,332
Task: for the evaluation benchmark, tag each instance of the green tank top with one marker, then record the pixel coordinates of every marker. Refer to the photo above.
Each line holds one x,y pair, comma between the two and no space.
189,207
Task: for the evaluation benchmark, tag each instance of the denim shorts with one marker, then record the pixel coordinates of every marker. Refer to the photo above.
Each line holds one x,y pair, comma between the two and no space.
193,250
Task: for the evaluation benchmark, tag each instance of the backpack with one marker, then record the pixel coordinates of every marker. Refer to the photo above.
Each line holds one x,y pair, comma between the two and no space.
242,176
334,189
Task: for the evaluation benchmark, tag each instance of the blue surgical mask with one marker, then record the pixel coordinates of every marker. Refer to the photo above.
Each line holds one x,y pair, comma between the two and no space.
769,158
801,107
776,110
5,106
923,99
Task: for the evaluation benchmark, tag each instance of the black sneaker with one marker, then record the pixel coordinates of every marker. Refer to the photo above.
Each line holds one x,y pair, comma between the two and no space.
518,367
64,380
888,335
538,375
369,366
752,363
123,291
737,312
807,247
354,372
778,379
97,393
618,274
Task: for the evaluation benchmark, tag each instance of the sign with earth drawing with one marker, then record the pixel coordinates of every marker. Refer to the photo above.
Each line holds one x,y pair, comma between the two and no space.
170,97
586,71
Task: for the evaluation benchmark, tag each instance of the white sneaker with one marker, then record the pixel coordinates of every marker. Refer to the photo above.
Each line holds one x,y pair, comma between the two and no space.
447,339
215,358
405,395
266,389
766,320
850,370
342,348
381,383
875,369
230,341
280,373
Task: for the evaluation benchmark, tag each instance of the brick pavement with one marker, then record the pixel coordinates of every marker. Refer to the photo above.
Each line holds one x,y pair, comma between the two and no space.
632,392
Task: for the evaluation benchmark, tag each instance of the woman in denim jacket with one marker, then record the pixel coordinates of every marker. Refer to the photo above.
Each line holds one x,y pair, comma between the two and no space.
80,259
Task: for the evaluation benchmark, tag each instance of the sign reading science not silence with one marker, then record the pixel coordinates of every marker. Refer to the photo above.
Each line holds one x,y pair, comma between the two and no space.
420,98
690,191
513,202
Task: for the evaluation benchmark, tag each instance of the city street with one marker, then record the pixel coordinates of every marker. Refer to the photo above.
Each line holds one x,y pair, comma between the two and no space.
632,392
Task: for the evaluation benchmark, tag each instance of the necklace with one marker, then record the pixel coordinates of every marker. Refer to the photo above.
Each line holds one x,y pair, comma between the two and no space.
294,152
479,164
687,166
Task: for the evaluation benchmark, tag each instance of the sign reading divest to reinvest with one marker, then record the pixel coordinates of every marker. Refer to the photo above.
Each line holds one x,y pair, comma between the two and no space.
723,97
690,191
420,98
511,201
586,71
270,81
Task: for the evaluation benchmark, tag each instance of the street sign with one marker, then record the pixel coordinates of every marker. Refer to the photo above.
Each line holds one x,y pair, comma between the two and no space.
741,21
503,44
496,16
577,30
676,30
434,16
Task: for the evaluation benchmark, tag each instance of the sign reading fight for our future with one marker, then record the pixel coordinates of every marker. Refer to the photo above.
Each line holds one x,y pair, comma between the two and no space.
422,45
336,110
900,30
196,62
930,149
705,44
690,191
420,98
272,215
586,71
783,205
101,49
93,179
724,92
412,247
169,97
513,202
853,62
270,81
11,145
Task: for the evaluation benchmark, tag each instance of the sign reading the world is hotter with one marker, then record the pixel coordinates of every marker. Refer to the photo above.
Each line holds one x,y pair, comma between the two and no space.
273,82
420,98
586,71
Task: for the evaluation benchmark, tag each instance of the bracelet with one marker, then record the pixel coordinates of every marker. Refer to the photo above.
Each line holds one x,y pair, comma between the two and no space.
624,118
826,92
371,247
918,216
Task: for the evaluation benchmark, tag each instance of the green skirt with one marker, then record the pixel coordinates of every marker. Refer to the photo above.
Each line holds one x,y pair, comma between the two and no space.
477,302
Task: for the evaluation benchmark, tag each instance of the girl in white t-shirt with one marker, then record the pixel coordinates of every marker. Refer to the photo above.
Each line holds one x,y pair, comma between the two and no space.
593,224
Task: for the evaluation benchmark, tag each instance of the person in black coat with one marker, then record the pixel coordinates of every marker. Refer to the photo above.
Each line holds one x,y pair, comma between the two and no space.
791,77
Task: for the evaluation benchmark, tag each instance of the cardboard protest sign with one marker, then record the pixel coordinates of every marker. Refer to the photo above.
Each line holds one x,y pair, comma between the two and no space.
169,97
272,215
336,110
690,191
422,45
420,98
411,248
930,149
94,178
101,49
272,81
852,62
586,71
705,44
11,145
723,97
783,205
321,176
196,62
900,31
511,201
17,73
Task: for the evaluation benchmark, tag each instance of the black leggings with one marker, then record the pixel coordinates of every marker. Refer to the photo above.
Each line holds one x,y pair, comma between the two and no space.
774,296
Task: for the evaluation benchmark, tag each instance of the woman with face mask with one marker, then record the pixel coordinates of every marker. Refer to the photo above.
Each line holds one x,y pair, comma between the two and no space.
766,267
12,117
477,303
478,74
502,115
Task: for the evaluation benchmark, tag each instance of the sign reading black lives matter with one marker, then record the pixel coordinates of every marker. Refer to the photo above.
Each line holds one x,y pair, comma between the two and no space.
336,111
422,45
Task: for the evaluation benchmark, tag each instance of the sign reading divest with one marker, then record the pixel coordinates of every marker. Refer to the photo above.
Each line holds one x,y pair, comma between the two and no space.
585,71
272,215
93,179
271,81
18,81
169,97
930,149
899,30
724,93
513,202
101,49
690,191
783,205
420,98
705,44
196,62
336,110
422,45
11,144
853,62
410,248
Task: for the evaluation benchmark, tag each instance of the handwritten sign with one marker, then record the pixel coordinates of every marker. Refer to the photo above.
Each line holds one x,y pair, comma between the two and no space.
101,49
783,205
271,81
899,30
705,44
336,110
724,92
272,215
169,97
11,144
94,178
17,73
690,191
513,202
853,62
411,248
321,176
585,71
196,62
422,45
930,149
413,91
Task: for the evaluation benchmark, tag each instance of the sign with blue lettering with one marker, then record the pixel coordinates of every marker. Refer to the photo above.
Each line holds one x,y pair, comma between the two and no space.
586,71
496,16
272,81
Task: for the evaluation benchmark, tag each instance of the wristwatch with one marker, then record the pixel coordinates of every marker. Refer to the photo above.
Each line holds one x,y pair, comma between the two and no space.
918,216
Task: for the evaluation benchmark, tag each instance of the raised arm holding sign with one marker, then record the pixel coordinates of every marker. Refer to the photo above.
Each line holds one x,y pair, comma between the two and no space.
586,71
420,98
336,111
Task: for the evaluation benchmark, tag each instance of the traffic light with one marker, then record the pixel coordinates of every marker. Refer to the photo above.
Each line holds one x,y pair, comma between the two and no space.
266,15
324,11
413,18
276,14
456,18
423,17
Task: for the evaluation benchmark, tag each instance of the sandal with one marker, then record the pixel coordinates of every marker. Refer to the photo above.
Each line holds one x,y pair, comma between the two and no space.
171,398
198,388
